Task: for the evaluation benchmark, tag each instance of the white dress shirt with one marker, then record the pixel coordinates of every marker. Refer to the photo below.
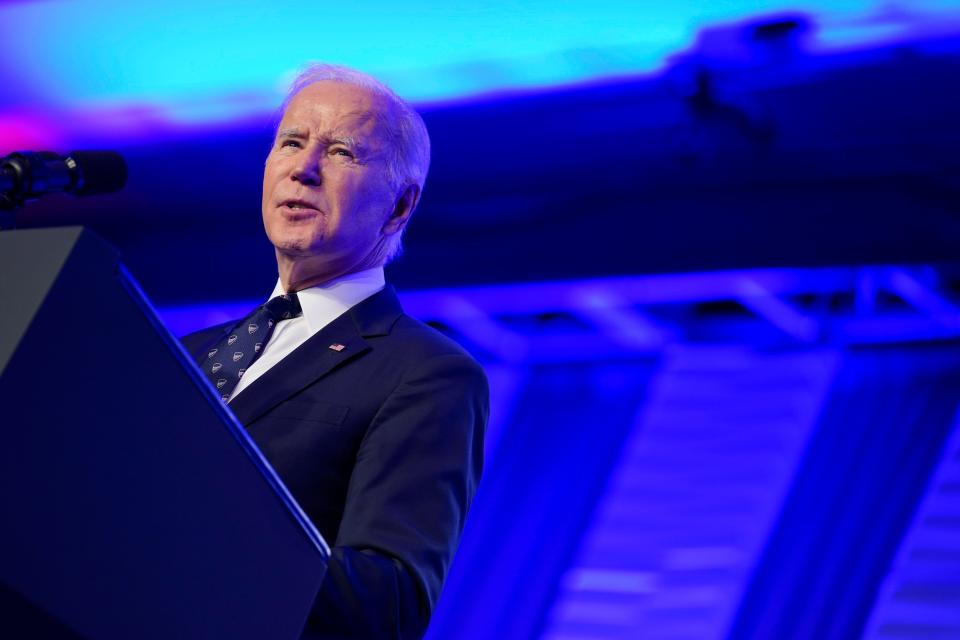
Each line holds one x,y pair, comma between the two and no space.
321,305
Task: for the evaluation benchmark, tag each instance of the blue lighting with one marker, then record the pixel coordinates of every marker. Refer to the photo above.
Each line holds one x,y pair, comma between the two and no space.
105,63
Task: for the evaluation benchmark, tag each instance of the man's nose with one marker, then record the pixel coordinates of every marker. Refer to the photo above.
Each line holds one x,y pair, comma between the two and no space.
306,169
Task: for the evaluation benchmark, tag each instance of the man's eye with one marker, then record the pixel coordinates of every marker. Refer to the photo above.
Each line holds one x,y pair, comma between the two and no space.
290,143
341,151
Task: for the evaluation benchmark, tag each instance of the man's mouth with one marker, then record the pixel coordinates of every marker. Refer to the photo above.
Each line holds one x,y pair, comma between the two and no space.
300,206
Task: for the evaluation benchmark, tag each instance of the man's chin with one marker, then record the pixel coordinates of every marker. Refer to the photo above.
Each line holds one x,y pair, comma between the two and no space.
295,248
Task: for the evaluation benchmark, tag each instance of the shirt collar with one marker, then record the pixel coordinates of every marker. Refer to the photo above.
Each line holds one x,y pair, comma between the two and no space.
323,303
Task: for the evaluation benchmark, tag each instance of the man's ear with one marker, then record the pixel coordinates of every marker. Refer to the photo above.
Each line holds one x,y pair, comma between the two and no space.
402,209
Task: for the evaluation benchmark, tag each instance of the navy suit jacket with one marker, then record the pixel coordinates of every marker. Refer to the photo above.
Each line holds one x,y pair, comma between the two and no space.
381,444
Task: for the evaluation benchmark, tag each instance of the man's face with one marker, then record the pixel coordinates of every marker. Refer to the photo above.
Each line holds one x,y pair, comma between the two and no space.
326,195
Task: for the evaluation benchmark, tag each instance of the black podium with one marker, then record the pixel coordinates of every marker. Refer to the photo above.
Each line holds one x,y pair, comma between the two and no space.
132,504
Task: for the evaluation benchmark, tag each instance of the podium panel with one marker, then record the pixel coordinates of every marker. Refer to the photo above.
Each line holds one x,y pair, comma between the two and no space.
133,503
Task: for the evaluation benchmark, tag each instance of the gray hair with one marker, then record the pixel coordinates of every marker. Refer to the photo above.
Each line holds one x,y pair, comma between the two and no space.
409,158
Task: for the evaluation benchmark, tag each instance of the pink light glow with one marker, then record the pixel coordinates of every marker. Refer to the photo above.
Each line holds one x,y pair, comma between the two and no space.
27,132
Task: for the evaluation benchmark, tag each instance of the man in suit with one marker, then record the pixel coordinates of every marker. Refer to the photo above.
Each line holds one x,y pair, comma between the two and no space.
373,420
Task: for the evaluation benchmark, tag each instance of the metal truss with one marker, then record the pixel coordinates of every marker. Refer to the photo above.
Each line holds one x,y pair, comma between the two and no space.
623,316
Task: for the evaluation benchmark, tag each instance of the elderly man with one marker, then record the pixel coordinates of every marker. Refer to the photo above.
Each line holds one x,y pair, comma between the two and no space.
373,420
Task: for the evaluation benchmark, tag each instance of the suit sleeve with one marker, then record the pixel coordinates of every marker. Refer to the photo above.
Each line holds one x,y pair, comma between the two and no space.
416,472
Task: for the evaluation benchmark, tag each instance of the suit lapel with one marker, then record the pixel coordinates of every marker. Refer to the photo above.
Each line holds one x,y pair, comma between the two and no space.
320,354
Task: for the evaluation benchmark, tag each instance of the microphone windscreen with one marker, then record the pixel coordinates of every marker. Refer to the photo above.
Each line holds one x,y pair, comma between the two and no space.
100,171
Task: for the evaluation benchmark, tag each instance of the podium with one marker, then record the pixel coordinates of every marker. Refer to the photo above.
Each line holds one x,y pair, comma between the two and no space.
132,503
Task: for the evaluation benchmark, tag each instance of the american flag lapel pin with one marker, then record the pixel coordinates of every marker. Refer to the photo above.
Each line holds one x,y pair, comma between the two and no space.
336,346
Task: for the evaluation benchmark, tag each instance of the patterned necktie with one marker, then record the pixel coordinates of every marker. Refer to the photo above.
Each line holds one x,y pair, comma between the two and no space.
226,363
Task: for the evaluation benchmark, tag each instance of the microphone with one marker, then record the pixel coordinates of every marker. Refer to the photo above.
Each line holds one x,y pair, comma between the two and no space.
27,175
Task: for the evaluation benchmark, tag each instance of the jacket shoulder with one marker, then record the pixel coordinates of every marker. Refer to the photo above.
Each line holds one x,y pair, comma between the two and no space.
420,341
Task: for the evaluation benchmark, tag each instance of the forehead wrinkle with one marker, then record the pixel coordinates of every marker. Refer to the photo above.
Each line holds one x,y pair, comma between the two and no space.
355,121
359,108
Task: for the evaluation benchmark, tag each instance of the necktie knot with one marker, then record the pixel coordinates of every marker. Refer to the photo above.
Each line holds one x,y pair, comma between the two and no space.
283,307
